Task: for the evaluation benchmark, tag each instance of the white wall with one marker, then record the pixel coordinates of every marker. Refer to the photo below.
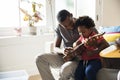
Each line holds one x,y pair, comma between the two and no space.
18,53
108,11
111,12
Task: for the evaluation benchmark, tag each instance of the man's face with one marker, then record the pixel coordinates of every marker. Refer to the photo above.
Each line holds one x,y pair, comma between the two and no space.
67,23
84,31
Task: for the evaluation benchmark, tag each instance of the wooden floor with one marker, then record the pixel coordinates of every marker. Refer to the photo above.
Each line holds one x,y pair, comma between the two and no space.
35,77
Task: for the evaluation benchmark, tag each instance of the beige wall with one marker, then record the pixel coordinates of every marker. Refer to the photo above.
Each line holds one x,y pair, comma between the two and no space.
111,13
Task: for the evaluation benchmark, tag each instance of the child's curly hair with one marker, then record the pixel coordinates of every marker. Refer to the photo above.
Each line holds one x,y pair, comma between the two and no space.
85,21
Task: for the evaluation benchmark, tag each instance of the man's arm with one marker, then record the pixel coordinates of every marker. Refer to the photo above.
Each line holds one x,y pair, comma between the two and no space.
57,45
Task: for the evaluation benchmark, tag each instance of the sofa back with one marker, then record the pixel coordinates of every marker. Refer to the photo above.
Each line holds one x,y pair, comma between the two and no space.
111,33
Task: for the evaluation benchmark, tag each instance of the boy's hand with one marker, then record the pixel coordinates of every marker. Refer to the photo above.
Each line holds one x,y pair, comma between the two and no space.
91,42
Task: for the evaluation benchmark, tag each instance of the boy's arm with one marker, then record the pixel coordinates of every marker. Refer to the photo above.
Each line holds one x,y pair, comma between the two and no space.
76,43
102,45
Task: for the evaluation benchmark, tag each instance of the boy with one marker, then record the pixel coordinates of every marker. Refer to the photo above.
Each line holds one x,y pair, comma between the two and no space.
90,61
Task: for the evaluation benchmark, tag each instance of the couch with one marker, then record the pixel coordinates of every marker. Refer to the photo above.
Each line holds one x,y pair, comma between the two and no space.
110,73
112,33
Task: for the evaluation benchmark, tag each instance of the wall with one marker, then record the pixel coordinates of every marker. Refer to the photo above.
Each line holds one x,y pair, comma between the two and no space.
111,12
18,53
108,11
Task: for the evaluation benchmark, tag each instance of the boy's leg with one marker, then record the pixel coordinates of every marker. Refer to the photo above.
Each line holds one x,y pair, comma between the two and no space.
92,68
79,73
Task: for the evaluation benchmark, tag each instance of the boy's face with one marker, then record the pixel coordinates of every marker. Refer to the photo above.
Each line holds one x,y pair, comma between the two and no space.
67,23
84,31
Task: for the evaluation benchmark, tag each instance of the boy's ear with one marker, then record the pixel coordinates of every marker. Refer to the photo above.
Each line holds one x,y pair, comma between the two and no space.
92,29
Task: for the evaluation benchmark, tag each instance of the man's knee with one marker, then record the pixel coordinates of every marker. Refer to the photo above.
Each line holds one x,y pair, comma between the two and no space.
118,76
39,58
68,68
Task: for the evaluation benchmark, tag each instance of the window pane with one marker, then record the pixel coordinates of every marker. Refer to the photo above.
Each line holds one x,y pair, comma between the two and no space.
64,4
27,6
86,7
9,14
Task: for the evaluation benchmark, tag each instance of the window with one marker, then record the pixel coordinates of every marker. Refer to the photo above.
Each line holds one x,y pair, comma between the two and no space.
12,16
28,8
77,7
66,4
9,14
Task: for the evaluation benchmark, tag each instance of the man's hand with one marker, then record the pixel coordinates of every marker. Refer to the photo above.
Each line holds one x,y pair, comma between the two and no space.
68,55
68,50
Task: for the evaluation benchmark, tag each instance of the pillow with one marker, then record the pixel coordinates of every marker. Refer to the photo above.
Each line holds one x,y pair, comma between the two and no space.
110,29
111,37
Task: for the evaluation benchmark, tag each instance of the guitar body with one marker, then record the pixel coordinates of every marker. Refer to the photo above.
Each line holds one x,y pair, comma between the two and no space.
111,57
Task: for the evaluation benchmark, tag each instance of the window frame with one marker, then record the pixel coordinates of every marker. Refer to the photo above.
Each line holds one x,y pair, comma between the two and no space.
50,21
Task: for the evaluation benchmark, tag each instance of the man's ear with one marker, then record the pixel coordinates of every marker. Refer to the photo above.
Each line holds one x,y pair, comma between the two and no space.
71,14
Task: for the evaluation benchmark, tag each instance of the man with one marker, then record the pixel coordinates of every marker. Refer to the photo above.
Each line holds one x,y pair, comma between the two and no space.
67,33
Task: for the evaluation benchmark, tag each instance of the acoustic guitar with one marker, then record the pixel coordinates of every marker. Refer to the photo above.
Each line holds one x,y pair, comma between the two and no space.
79,49
111,52
111,57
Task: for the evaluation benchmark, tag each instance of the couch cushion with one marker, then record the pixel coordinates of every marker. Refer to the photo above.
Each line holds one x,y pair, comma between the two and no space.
110,29
107,74
111,37
112,33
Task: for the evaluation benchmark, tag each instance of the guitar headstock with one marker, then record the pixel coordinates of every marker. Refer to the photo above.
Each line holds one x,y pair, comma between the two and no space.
99,35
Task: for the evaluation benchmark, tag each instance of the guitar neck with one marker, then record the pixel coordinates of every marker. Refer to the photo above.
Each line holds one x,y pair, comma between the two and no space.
82,44
77,47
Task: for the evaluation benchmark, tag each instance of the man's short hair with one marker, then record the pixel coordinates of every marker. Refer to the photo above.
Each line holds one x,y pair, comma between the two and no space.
62,15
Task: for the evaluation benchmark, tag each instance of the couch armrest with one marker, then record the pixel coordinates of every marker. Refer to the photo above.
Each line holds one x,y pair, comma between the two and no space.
49,47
